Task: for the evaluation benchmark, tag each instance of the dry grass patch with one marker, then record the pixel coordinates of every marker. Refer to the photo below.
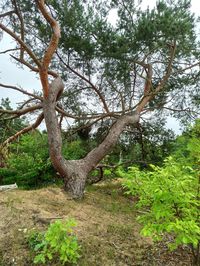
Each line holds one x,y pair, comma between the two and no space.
107,229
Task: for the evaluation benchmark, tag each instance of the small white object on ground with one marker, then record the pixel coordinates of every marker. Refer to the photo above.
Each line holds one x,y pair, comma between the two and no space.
8,187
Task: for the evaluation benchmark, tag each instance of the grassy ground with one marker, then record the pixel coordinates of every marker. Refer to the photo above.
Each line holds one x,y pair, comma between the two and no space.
107,228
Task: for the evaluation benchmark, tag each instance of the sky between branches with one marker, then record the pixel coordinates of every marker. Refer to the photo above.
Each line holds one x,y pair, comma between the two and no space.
13,75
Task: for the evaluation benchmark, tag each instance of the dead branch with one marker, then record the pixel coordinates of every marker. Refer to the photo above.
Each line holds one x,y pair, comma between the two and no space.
8,118
187,68
31,67
20,112
134,85
7,13
120,96
23,104
86,117
21,90
87,125
9,50
64,113
24,130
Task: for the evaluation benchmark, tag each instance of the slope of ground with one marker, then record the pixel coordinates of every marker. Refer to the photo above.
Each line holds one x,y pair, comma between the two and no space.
107,229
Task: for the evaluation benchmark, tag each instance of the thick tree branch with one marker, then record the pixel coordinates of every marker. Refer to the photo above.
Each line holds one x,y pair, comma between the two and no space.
97,154
51,48
24,130
151,94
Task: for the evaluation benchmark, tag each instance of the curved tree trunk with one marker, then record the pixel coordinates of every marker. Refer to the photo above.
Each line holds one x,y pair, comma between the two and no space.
72,172
75,172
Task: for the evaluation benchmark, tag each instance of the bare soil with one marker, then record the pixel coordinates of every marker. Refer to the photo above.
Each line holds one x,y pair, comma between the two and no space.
107,229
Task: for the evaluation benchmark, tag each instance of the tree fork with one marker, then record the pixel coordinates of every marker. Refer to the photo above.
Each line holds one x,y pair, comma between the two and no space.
75,173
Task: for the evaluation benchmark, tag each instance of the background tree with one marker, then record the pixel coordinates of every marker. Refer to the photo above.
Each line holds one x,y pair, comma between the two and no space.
147,63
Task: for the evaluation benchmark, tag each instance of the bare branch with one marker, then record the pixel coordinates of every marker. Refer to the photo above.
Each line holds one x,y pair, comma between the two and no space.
20,112
9,50
23,104
151,94
21,90
188,110
88,81
120,96
24,130
87,117
186,68
18,13
7,14
64,113
134,84
87,125
31,67
18,39
9,117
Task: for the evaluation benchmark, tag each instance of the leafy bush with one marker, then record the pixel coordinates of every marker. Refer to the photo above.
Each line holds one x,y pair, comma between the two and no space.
169,196
58,241
28,164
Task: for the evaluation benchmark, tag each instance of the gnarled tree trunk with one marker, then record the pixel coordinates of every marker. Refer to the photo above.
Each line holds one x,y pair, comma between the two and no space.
75,172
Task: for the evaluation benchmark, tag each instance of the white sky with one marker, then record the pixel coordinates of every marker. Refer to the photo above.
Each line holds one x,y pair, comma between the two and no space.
13,75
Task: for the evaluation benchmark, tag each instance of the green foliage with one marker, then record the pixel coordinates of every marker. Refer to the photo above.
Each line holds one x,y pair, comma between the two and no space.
59,241
187,146
169,196
28,164
166,22
74,150
107,172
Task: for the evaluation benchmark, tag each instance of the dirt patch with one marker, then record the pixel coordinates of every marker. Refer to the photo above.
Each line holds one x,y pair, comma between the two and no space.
107,229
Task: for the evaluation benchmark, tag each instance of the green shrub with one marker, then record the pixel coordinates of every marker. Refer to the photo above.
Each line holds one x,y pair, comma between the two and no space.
59,241
28,164
169,199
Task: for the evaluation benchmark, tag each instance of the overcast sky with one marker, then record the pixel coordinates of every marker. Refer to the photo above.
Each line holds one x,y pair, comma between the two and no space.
13,75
